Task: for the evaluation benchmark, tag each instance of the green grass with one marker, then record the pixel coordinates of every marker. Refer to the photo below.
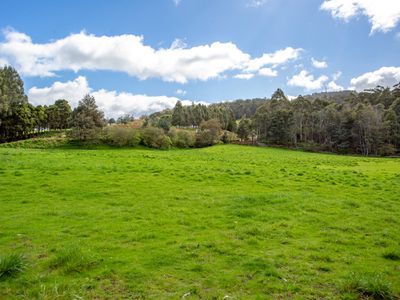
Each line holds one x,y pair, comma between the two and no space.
11,265
368,286
226,221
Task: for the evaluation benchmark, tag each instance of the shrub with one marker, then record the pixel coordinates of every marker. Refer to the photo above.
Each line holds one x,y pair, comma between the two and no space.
386,150
155,138
182,138
72,259
11,265
122,136
209,133
370,286
229,137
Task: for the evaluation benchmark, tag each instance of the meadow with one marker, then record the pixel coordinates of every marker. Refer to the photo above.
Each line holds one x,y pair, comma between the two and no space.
224,222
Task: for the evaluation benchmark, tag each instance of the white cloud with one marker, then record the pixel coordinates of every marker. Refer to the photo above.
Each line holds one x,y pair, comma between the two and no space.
180,92
319,64
73,91
307,81
177,2
128,53
384,15
3,62
334,87
246,76
178,44
113,103
279,57
256,3
268,72
336,75
385,76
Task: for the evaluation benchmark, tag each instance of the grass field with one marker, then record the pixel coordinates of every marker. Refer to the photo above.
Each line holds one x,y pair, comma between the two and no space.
225,222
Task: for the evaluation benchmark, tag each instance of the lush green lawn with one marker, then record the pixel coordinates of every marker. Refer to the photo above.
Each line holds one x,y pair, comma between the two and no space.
227,221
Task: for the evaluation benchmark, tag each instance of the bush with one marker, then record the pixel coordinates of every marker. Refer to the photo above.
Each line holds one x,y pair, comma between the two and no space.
229,137
369,286
122,136
155,138
11,265
209,134
182,138
386,150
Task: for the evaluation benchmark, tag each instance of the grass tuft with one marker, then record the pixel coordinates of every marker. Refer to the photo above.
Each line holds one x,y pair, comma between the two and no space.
72,259
11,265
369,286
392,254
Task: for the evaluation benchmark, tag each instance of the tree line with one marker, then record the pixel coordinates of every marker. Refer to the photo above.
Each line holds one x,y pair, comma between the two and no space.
20,119
366,123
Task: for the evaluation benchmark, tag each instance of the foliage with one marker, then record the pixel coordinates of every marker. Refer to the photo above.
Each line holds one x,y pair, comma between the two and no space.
15,113
367,123
122,136
209,133
155,138
244,129
58,114
229,137
182,138
86,120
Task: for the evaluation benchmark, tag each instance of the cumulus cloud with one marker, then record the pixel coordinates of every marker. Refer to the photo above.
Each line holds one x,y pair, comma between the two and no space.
334,87
385,76
307,81
73,91
268,72
128,53
246,76
319,64
275,59
384,15
113,103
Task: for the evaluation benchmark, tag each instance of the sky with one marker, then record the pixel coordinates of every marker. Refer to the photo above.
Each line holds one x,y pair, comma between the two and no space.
137,57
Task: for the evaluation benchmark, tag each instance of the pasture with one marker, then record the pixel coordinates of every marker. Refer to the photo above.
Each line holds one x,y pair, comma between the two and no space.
225,222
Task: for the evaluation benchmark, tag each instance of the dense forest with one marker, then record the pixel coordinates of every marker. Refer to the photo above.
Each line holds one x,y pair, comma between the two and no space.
366,123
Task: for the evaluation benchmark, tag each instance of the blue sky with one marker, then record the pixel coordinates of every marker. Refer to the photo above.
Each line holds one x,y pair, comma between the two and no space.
141,56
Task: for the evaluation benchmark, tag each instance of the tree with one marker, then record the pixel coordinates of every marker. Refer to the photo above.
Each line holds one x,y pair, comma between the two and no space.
64,111
86,120
279,95
244,129
178,115
209,133
41,117
12,103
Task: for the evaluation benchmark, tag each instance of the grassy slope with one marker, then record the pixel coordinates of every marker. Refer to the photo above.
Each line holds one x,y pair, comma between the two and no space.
227,220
